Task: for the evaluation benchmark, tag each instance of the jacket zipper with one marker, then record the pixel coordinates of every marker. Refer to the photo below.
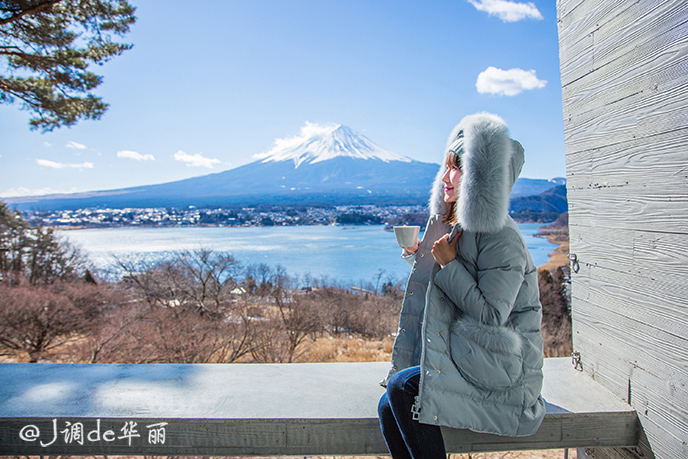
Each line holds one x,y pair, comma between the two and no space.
415,411
416,407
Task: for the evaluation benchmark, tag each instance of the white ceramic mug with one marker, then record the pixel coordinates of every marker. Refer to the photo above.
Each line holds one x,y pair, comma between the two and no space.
407,235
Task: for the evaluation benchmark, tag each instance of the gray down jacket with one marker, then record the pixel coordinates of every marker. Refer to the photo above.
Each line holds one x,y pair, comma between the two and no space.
473,326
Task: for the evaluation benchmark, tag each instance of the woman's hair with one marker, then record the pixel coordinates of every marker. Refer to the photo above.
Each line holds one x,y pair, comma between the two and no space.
449,214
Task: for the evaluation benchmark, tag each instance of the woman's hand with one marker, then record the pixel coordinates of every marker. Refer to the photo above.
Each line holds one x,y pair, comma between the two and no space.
411,249
442,251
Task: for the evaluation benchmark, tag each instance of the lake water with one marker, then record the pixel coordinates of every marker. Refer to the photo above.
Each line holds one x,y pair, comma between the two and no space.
345,254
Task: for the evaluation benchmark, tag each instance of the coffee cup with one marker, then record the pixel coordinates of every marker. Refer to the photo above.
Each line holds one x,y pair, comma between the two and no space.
407,235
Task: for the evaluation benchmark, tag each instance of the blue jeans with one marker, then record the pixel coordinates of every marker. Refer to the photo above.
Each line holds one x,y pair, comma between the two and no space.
405,437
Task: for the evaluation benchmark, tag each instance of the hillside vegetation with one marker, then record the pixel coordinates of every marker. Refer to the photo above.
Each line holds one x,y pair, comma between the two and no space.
197,306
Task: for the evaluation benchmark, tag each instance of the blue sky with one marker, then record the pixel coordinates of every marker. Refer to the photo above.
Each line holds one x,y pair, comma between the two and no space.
206,88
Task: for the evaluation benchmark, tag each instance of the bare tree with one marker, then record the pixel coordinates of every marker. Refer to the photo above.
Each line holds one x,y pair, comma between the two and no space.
239,336
373,316
298,318
110,341
271,343
37,319
199,279
193,312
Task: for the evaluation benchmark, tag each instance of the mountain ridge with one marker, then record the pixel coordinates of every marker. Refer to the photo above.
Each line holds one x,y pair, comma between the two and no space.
324,163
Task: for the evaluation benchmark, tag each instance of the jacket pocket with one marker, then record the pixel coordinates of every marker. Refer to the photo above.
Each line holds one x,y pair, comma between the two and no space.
489,357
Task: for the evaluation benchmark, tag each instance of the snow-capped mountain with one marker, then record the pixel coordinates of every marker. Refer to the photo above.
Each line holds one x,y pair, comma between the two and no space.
325,164
322,142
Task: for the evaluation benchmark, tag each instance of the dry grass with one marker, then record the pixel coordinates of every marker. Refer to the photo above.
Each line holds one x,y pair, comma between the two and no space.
348,348
560,255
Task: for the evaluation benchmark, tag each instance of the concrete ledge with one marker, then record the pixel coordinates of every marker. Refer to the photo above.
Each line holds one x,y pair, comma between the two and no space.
260,409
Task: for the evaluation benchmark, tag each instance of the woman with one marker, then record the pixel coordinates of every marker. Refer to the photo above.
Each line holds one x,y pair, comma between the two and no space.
468,352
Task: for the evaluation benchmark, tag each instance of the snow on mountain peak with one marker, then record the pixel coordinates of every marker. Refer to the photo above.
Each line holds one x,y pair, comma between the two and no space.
320,142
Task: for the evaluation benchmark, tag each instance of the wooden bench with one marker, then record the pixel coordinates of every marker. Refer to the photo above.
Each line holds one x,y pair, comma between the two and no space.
260,409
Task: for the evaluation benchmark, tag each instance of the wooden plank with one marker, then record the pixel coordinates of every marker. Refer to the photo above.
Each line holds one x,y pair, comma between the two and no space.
661,351
609,364
627,72
635,27
606,360
589,14
624,35
576,31
607,453
594,346
188,436
606,34
639,273
623,297
314,436
632,77
600,182
630,207
626,119
661,402
258,409
580,430
566,7
632,161
645,255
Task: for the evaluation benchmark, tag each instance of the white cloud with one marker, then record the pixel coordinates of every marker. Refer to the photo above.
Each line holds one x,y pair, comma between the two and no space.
56,165
507,82
197,160
75,145
23,191
131,154
506,10
47,144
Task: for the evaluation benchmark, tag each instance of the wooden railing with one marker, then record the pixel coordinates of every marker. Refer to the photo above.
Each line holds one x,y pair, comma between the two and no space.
260,409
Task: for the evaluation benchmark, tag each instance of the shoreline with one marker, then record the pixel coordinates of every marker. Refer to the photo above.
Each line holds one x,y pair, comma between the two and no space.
83,227
560,255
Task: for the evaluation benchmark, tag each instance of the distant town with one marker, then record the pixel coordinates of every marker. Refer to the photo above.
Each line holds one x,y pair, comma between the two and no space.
245,216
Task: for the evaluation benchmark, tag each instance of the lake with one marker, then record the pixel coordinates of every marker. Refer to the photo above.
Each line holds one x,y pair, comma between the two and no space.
345,254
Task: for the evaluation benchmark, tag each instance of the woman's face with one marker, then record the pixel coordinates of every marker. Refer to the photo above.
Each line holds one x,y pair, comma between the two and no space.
451,180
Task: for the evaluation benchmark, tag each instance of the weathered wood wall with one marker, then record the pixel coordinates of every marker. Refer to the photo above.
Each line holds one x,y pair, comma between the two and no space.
624,76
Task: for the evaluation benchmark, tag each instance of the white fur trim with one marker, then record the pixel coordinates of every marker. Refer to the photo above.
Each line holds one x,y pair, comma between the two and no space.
490,169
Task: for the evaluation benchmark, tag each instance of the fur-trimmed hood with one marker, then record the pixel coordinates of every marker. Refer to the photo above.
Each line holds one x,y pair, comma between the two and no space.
491,163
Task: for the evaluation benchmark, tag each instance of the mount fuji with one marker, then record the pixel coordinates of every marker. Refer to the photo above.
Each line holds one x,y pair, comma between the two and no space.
326,164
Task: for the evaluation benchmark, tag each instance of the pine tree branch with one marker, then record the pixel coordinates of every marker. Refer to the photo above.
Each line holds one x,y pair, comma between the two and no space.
33,9
39,42
19,95
27,56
